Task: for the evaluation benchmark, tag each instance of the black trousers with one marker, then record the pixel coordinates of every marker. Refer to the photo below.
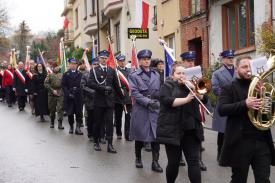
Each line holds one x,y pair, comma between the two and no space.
10,96
21,101
103,115
90,122
220,141
257,154
118,119
78,118
140,144
190,145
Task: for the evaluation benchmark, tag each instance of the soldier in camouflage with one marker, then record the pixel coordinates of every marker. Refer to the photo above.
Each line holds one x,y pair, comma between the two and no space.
55,96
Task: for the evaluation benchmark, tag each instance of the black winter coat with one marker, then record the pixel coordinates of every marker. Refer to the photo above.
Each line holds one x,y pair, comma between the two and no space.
172,121
21,88
41,99
73,103
88,93
233,105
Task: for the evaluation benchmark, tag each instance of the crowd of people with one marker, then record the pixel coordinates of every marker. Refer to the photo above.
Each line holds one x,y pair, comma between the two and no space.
156,110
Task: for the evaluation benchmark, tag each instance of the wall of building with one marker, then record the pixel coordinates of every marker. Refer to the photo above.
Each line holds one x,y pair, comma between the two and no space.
168,16
261,15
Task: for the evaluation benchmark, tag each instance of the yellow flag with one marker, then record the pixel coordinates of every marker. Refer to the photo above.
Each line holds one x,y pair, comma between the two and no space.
13,59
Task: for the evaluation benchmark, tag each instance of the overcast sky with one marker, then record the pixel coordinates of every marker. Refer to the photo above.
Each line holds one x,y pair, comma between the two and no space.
40,15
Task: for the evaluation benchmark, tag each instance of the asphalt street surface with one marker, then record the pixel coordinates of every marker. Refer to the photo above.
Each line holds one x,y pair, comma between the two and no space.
31,152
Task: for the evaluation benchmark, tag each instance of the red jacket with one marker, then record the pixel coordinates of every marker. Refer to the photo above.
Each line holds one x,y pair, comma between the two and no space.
7,78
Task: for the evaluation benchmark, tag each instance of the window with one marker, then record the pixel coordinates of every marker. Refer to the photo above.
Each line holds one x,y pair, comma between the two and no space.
85,9
92,7
195,6
170,40
76,18
117,31
238,24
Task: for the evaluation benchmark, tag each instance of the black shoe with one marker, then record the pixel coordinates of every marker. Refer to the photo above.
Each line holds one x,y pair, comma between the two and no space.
97,147
182,163
71,131
139,163
60,127
156,167
119,137
78,131
9,105
202,148
202,166
111,149
81,125
128,139
21,109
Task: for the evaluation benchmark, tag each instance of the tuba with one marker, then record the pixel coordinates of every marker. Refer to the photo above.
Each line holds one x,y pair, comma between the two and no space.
264,118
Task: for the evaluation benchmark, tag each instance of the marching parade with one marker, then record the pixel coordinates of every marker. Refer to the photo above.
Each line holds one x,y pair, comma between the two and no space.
120,97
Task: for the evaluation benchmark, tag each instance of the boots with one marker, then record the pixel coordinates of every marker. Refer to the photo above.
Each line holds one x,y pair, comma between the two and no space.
60,127
71,131
202,166
77,129
52,123
155,165
96,145
139,162
110,148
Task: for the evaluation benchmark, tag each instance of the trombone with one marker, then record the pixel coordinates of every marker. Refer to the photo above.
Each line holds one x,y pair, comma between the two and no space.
201,86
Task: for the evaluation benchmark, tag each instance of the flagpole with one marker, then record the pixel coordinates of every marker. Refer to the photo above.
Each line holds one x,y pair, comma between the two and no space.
27,62
119,83
133,38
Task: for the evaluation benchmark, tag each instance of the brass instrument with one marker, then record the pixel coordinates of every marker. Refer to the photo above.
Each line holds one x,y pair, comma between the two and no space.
202,86
264,118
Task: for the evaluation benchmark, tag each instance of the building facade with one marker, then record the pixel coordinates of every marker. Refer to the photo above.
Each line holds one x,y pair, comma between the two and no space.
94,20
168,25
234,24
194,29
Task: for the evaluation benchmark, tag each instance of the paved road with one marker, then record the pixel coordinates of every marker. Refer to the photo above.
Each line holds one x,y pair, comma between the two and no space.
31,152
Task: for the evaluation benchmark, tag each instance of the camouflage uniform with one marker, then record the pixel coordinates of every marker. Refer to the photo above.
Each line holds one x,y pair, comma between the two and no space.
55,103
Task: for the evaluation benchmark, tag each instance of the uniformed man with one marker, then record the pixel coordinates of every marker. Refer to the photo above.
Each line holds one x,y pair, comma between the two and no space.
188,59
125,105
72,96
145,85
88,98
220,78
104,81
55,96
20,85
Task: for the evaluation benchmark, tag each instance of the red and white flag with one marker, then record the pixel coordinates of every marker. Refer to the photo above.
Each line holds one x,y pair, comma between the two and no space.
134,64
20,76
141,14
86,60
111,63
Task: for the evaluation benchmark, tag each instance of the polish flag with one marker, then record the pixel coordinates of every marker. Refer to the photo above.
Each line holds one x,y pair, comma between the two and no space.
142,14
111,63
134,64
